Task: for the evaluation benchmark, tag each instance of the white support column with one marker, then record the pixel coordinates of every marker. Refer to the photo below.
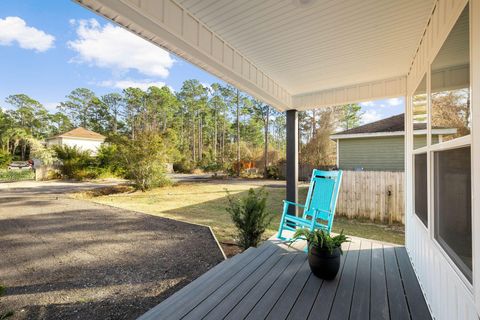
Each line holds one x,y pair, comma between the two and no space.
408,165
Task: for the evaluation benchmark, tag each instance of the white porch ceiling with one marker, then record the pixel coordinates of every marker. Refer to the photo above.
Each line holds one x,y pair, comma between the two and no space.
324,44
290,55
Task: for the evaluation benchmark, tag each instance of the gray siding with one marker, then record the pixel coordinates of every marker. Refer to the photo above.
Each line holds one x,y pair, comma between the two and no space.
376,153
379,153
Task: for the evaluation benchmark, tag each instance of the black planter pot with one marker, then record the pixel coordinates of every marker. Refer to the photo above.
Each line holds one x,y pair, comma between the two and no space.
324,264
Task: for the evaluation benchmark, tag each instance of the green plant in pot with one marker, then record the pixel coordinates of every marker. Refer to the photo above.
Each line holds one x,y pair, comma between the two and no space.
324,251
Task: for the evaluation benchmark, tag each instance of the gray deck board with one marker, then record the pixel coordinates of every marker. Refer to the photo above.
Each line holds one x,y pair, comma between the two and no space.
305,300
416,300
378,287
324,301
238,288
360,308
243,307
343,297
375,281
396,294
264,305
289,296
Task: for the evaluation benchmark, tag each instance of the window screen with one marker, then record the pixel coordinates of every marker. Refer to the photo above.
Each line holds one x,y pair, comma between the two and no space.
421,208
453,206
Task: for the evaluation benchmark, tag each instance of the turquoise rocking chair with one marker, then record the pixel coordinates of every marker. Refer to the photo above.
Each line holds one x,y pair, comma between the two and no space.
319,208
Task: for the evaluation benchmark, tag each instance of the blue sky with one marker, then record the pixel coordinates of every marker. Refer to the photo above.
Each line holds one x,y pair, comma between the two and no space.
49,48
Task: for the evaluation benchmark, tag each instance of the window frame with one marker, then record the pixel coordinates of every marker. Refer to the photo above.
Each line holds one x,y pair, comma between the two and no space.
430,149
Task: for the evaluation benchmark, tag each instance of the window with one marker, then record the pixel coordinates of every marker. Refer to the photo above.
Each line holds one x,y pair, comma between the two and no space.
421,195
443,156
450,82
419,109
453,206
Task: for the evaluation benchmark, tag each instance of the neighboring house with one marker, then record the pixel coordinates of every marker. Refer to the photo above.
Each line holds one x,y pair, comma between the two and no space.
79,137
380,145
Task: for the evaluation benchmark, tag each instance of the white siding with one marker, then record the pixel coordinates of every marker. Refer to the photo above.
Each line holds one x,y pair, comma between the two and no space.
82,144
448,294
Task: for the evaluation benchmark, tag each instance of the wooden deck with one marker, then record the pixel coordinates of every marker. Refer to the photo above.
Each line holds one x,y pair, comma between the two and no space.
376,281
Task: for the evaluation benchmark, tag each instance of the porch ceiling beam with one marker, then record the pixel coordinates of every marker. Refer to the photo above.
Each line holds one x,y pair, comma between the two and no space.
381,89
169,25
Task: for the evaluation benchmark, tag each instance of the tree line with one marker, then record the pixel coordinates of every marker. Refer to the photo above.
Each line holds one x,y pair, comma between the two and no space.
214,127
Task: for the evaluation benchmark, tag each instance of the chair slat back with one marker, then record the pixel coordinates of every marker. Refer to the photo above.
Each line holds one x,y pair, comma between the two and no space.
322,193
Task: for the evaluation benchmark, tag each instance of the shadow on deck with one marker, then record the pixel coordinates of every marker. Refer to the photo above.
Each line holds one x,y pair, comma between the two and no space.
376,281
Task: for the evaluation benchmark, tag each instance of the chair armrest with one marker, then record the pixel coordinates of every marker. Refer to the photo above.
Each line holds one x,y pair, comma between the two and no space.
294,204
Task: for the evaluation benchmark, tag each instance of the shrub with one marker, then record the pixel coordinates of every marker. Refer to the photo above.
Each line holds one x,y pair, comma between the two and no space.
75,162
273,172
183,166
108,160
39,151
250,216
144,160
16,175
5,159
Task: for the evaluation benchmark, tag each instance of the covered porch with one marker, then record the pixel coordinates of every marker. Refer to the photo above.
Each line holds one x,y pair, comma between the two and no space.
304,54
274,281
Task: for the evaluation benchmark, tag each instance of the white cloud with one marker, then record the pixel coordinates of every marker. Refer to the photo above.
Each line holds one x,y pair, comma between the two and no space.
112,47
395,101
15,29
366,104
51,106
141,84
370,116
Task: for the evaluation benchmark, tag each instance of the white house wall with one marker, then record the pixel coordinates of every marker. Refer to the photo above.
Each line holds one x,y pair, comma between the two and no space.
82,144
448,296
90,145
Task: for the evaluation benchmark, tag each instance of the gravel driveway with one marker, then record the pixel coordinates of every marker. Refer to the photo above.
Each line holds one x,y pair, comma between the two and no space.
70,259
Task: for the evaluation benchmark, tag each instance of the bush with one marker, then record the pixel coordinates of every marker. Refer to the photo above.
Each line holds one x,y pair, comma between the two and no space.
144,160
273,172
16,175
108,160
76,163
183,166
250,216
5,159
40,152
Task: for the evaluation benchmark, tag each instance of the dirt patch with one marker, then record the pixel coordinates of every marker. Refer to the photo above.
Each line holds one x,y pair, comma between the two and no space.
70,259
104,191
230,249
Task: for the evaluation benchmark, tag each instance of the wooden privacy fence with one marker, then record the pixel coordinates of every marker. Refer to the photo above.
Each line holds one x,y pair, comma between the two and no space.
375,195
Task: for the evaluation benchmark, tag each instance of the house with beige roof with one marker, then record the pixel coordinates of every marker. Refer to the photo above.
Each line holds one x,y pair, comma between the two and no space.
79,137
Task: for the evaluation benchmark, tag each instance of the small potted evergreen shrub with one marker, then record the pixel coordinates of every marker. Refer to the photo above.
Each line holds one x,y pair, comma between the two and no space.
324,251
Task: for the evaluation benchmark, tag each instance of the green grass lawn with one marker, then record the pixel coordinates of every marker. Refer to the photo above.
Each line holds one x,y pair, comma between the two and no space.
205,202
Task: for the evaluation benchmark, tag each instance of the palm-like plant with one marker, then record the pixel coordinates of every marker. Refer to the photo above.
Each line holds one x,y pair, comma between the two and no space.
321,239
